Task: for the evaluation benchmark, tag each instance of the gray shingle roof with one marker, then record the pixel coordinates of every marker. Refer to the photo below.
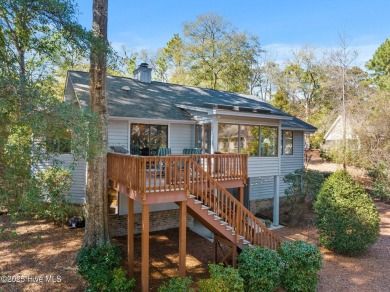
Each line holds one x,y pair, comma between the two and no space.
157,100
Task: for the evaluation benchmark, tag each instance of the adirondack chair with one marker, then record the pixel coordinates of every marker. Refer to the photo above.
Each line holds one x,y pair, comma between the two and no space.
189,151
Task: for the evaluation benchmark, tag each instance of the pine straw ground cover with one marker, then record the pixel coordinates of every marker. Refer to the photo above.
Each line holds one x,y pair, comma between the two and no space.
39,249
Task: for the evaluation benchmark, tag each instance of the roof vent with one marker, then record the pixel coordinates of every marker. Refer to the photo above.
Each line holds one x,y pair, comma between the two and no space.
126,88
143,73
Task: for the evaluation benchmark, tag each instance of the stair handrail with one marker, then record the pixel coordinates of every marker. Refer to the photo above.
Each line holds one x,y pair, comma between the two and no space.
237,216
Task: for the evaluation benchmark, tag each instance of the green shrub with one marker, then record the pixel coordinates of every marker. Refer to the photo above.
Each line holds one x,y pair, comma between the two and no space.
120,282
305,183
100,267
381,182
346,217
52,200
222,279
303,261
261,268
176,285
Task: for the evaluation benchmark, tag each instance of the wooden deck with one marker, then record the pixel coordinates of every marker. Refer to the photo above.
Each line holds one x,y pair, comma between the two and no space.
161,179
197,183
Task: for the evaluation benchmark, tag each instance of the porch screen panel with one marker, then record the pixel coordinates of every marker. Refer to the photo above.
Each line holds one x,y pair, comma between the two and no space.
228,138
198,136
249,140
268,141
287,142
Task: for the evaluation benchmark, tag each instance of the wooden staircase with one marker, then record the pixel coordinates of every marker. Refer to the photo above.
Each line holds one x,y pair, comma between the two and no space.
218,210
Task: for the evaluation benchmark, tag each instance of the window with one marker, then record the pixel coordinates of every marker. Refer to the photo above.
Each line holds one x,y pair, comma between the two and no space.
59,142
228,138
249,139
268,141
147,138
287,142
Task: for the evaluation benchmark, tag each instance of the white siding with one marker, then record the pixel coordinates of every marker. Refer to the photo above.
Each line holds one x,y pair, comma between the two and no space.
118,133
263,166
181,136
261,187
292,162
78,187
261,171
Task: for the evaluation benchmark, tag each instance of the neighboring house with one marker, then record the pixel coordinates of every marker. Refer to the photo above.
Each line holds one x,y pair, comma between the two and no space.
145,115
334,136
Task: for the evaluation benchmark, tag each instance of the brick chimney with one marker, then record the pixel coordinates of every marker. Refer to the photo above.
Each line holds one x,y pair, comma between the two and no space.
143,73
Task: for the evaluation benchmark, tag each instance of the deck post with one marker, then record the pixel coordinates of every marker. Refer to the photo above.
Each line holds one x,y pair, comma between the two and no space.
145,248
241,195
276,201
214,135
182,239
130,237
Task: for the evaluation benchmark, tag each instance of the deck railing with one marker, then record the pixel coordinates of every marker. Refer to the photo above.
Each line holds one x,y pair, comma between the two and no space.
147,174
221,167
229,209
200,175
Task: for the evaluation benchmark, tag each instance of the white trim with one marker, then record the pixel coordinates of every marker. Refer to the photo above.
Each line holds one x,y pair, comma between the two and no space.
304,155
251,115
276,201
196,108
128,135
298,129
248,123
214,136
332,127
169,136
74,91
280,148
151,121
232,113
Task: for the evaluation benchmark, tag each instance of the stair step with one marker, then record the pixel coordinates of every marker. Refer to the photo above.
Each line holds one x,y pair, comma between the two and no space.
217,217
241,237
205,207
198,202
223,223
192,196
229,228
209,212
244,241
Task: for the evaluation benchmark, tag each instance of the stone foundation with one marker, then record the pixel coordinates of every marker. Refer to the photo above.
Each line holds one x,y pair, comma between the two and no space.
160,220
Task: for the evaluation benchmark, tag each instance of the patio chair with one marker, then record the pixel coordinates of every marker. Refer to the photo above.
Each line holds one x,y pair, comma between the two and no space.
135,150
162,152
189,151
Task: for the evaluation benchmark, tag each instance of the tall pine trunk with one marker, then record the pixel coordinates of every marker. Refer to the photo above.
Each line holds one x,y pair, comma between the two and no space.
96,231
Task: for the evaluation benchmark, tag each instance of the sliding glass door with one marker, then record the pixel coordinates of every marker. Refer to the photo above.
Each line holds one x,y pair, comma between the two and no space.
146,138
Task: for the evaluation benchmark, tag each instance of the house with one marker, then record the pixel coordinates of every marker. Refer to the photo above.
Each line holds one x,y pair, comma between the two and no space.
246,145
333,138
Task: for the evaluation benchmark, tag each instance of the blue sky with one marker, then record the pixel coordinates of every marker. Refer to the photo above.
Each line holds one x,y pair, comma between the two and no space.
281,25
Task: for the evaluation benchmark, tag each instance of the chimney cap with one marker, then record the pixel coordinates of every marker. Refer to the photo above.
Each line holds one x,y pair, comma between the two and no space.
144,65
